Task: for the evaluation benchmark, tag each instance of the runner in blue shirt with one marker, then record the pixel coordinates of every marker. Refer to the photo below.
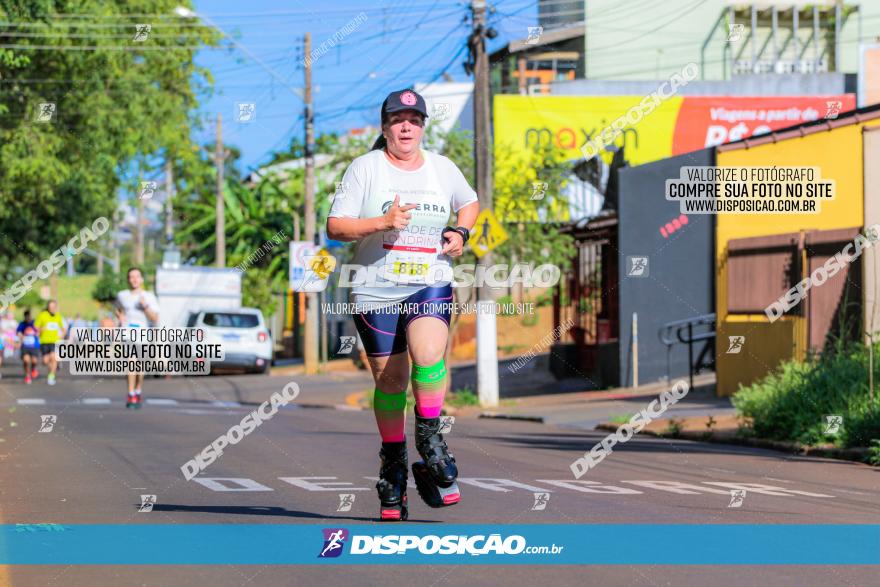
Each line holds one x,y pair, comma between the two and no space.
29,341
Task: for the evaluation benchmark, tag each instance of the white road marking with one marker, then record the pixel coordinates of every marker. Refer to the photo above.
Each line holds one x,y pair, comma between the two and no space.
221,404
677,487
158,401
850,491
31,401
766,489
409,482
500,484
96,400
230,484
214,484
346,408
590,487
309,484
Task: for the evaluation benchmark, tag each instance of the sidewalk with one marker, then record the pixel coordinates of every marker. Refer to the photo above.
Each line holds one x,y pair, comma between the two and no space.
586,410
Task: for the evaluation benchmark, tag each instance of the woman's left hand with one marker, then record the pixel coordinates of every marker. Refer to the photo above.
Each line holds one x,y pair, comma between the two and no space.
454,244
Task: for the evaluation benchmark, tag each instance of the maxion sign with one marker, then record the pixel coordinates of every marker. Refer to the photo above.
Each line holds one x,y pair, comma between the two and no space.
679,124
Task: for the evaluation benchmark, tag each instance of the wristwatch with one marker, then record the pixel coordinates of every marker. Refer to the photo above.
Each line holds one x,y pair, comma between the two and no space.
464,232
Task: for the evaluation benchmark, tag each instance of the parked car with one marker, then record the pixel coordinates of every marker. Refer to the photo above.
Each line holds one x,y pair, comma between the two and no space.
247,342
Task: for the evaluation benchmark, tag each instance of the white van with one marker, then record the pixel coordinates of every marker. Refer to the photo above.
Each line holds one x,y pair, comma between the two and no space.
242,332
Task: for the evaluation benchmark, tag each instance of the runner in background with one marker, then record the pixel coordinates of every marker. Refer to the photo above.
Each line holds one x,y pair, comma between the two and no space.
106,321
78,323
136,308
7,337
29,341
50,325
7,330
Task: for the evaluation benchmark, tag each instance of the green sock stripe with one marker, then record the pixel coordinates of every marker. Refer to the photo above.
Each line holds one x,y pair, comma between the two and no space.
389,402
428,376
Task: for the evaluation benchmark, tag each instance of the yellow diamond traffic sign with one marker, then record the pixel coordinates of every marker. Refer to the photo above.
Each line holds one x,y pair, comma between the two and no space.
323,264
487,234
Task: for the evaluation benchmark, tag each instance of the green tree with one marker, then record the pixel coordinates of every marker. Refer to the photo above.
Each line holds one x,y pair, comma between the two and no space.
532,224
116,102
259,287
106,288
254,216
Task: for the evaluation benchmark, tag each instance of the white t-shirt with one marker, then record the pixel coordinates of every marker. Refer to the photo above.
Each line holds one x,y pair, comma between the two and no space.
401,259
134,313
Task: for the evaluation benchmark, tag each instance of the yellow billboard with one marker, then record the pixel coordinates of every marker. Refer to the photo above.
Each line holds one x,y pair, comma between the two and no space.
650,131
523,122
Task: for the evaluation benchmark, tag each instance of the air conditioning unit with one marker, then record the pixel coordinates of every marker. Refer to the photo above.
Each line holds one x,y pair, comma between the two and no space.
539,89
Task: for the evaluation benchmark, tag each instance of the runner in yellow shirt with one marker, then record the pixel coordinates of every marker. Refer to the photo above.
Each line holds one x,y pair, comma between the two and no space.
50,325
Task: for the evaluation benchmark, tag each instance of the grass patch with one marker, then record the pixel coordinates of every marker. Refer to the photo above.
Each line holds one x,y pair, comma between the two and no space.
792,402
74,296
510,348
874,455
463,397
619,419
673,428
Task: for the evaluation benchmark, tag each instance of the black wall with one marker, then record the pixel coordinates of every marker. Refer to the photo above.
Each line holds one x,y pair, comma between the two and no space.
681,275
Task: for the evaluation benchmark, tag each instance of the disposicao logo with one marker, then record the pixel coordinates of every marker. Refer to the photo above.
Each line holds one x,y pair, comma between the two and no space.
334,541
442,545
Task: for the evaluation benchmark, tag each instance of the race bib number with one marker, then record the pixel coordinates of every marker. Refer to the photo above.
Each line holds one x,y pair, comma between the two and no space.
410,268
52,326
30,340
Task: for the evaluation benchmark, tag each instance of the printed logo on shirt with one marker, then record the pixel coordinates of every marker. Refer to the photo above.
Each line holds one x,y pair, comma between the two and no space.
420,207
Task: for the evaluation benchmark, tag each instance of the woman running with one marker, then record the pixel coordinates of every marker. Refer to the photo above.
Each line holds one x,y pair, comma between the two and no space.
396,202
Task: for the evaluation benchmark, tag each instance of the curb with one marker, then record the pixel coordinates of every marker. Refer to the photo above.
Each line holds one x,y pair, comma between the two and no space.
355,400
847,454
537,419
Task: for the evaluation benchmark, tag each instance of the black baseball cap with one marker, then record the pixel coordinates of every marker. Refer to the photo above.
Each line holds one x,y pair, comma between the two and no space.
404,100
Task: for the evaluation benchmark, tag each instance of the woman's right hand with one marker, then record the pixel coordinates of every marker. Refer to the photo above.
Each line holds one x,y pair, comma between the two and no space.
398,216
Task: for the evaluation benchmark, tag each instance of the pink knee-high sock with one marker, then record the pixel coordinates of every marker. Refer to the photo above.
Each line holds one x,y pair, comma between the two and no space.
390,412
429,387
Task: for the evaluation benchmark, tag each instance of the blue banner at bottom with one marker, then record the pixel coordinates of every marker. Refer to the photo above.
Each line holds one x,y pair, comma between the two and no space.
475,544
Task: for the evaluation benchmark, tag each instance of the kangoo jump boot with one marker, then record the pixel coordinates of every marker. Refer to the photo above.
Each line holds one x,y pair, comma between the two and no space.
393,476
435,475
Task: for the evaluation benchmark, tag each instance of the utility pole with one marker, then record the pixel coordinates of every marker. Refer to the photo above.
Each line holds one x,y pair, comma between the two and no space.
310,352
169,186
487,325
139,230
482,111
116,243
220,220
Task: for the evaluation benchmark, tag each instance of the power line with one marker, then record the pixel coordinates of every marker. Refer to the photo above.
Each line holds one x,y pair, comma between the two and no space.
368,103
398,45
683,12
239,15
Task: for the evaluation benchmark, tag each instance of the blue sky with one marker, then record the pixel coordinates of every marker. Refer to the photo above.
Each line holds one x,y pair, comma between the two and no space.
400,42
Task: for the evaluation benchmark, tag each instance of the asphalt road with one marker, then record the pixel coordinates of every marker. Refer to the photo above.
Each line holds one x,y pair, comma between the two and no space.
99,458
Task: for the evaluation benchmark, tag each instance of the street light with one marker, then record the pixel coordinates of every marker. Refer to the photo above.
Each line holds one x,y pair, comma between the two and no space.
184,12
